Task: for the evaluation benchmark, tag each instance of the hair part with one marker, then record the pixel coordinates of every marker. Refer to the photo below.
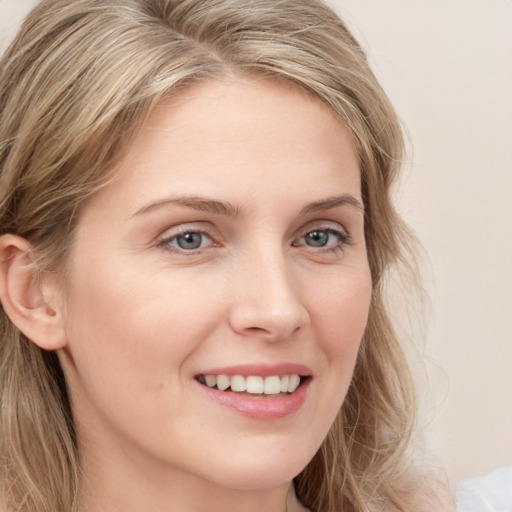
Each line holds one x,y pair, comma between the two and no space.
76,86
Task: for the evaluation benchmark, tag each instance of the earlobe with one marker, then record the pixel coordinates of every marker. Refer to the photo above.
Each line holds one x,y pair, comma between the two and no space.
25,297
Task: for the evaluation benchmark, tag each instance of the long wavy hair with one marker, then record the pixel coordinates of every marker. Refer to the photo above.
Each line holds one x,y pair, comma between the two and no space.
76,86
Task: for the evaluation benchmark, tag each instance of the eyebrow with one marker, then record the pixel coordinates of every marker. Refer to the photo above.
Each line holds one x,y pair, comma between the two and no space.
333,202
197,203
226,208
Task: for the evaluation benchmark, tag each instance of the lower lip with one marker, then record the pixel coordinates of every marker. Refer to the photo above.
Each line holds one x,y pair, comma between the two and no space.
260,407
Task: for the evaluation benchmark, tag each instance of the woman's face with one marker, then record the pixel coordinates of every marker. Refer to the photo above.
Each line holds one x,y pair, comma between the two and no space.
229,251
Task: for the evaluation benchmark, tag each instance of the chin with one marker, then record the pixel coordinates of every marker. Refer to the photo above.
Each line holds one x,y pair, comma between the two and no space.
262,472
259,479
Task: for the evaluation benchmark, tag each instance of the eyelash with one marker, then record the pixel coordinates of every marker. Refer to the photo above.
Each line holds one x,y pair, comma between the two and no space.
343,238
166,242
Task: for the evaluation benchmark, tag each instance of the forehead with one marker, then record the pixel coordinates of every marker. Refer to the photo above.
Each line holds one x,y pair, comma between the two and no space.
259,133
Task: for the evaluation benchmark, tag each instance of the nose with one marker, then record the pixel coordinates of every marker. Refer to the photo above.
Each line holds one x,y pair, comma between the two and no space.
266,301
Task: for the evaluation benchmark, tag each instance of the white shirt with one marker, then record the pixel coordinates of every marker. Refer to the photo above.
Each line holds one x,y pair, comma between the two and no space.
489,493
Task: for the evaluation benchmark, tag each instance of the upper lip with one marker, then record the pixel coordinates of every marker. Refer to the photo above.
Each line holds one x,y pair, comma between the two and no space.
263,370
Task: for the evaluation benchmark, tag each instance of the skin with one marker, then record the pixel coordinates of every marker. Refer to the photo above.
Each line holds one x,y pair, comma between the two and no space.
140,317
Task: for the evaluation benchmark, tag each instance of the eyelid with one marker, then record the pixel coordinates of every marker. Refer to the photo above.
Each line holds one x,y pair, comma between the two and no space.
332,227
344,237
170,234
323,225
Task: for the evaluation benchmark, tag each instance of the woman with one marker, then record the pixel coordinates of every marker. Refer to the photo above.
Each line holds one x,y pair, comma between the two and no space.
196,224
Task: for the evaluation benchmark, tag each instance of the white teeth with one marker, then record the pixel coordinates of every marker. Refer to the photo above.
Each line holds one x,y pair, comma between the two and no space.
223,382
238,383
254,384
293,383
211,380
272,386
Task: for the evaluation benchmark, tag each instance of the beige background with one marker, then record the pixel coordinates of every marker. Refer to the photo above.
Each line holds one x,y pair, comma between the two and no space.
447,65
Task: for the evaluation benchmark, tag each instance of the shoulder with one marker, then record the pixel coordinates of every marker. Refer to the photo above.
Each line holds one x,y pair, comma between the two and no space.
489,493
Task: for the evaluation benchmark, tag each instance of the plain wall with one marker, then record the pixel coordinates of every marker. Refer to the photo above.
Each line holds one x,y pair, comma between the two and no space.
447,66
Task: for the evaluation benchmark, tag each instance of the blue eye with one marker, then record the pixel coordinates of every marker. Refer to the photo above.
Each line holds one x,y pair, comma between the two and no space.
317,238
327,237
188,241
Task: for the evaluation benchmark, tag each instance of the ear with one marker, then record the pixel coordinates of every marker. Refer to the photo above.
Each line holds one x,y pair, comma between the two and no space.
27,297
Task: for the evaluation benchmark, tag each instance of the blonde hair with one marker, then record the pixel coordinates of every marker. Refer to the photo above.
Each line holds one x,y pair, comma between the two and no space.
75,87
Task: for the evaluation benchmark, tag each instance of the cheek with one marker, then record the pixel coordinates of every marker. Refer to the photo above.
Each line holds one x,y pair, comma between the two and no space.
340,319
133,327
341,314
131,339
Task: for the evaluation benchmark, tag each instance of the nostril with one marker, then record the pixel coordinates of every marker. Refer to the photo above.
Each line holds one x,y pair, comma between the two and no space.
269,319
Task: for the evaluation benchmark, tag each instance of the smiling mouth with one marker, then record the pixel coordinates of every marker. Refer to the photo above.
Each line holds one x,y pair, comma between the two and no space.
254,384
